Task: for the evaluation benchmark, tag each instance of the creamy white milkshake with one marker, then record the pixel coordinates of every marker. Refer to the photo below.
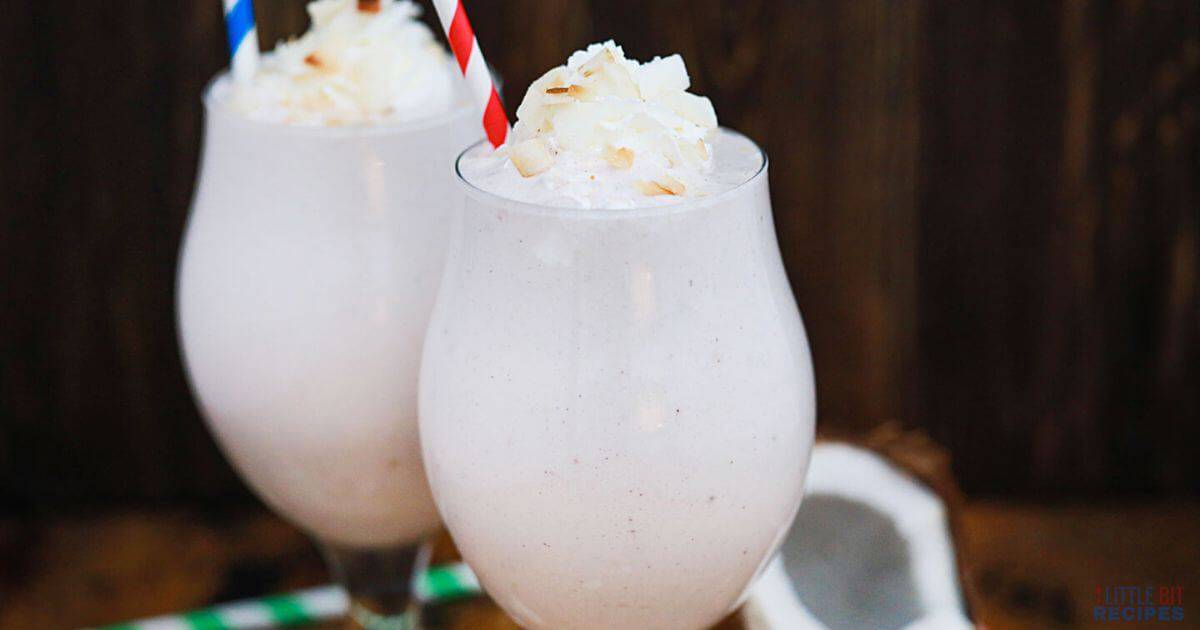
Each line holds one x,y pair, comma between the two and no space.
617,398
311,261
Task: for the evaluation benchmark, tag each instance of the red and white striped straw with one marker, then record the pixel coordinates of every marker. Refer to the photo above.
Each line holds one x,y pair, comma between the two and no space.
475,70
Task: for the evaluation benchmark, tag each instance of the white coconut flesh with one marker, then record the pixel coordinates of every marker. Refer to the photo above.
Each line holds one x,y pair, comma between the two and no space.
870,548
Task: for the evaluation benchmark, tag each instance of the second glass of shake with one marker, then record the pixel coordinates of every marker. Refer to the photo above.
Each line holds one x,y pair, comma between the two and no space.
308,272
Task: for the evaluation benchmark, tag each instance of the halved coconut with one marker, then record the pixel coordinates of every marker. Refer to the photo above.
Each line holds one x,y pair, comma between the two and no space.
870,548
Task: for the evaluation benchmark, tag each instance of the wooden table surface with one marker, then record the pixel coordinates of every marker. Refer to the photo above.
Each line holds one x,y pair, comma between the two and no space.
1032,566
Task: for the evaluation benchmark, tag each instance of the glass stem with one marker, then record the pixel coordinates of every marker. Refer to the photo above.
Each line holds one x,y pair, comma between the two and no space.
380,584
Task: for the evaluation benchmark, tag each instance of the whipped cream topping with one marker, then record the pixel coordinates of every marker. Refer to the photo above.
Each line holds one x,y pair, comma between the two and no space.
361,62
605,131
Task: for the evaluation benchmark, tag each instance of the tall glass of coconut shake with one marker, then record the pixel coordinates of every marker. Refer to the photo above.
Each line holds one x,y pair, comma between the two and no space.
309,269
617,397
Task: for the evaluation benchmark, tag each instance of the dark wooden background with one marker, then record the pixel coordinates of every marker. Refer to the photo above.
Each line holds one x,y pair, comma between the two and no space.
989,213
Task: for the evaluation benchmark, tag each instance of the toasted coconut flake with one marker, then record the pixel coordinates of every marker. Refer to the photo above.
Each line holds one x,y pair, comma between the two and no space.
664,185
313,60
693,154
621,158
650,189
531,157
596,63
605,74
672,185
697,109
369,6
557,90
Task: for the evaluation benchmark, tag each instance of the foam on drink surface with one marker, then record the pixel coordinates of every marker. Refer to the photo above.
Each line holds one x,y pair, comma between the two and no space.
361,62
605,131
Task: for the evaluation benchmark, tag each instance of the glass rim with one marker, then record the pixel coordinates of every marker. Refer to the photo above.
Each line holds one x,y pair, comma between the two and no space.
209,99
676,207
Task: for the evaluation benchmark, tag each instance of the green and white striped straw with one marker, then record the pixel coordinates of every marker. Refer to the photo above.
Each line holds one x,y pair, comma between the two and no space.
437,584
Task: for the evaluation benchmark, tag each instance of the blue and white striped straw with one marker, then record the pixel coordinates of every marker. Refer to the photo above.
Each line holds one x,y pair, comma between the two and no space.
243,38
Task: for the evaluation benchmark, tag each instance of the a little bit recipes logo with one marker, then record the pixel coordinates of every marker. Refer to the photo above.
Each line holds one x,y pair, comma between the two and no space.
1133,604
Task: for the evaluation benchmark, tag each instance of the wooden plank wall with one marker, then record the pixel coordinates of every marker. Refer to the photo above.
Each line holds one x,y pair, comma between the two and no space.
1058,301
989,213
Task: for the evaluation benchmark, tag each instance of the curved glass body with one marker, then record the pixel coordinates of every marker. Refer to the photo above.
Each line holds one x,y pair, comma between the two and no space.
617,407
308,271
